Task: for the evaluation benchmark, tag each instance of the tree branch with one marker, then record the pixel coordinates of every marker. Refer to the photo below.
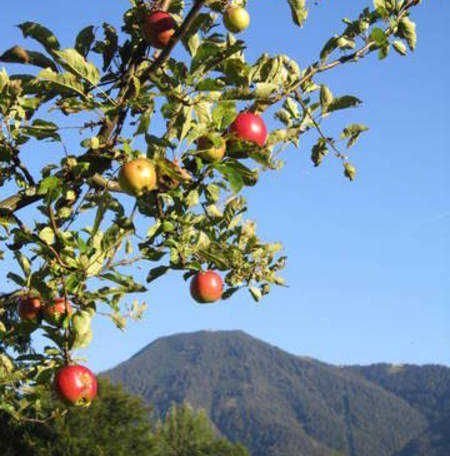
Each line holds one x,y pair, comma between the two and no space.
21,200
18,164
320,67
330,142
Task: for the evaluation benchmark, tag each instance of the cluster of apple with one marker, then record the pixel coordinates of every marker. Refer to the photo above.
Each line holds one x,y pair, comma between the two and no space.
139,176
160,26
31,309
74,384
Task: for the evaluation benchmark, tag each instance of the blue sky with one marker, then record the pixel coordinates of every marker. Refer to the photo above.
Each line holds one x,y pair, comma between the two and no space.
368,261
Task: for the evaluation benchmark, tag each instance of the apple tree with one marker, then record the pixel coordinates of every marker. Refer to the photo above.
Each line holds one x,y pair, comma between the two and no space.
68,231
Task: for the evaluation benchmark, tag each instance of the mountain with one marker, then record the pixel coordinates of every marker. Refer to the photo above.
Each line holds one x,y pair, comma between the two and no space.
278,404
427,389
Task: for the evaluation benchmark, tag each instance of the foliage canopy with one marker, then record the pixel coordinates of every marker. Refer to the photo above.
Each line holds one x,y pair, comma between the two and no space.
117,424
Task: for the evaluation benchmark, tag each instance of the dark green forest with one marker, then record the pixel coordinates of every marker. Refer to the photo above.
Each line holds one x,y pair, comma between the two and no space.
116,424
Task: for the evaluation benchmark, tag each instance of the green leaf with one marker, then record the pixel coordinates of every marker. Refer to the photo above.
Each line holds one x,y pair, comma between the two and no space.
206,52
319,152
213,211
298,11
16,278
384,51
229,292
210,55
234,178
111,44
352,133
345,43
156,273
5,363
49,185
349,171
144,122
82,340
328,48
63,82
154,230
347,101
400,47
237,174
256,293
18,54
74,62
41,34
217,256
47,235
407,30
292,108
381,8
212,193
184,122
127,282
326,97
84,40
210,84
264,90
24,262
192,198
224,113
379,36
42,129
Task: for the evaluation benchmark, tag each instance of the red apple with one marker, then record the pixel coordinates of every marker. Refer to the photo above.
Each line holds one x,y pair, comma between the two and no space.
206,287
159,27
76,385
57,311
250,127
138,176
29,308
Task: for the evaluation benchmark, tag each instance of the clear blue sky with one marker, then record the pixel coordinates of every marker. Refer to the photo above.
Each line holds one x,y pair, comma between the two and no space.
369,261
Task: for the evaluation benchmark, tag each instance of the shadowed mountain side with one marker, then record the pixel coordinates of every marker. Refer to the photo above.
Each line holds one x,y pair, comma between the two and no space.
427,389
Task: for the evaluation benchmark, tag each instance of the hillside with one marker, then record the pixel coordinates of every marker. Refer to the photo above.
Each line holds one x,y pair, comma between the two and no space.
427,389
279,404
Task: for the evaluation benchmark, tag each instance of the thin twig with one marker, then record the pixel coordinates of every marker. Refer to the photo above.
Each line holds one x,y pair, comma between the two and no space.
330,142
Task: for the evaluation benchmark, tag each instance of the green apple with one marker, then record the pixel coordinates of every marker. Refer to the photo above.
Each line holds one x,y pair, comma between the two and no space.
236,19
211,150
138,176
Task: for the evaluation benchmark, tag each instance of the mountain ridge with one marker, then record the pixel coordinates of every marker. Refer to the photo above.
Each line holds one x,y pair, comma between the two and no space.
277,403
